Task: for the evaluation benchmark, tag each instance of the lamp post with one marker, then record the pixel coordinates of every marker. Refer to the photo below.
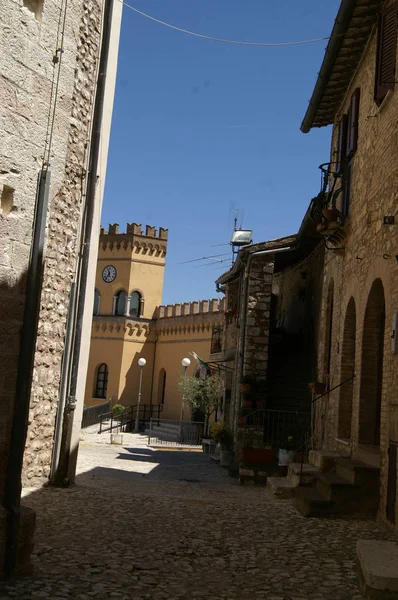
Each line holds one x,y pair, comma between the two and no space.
185,363
141,364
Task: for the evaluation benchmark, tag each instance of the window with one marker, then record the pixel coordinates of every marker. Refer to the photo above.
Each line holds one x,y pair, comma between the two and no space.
35,7
161,386
101,383
119,303
352,125
135,304
386,56
216,339
97,301
347,143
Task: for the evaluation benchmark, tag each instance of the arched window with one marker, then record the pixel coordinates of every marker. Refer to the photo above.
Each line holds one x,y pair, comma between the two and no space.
136,305
119,304
97,301
101,382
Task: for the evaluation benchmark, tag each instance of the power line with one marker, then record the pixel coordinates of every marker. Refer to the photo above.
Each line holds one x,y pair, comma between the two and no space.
215,39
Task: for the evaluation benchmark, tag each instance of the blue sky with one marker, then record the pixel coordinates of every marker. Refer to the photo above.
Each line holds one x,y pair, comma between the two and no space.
201,129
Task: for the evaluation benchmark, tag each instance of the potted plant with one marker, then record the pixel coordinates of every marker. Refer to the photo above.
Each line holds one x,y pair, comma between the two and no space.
287,450
214,430
203,394
225,438
117,411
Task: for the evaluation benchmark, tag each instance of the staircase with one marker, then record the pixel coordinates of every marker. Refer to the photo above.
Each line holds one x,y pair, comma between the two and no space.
164,432
332,485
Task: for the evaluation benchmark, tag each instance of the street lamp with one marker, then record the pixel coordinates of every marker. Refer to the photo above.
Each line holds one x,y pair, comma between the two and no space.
185,363
141,364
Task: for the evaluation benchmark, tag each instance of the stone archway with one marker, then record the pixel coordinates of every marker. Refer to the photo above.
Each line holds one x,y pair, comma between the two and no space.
347,371
372,366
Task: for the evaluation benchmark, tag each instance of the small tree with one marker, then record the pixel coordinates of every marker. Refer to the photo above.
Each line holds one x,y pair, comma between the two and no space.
202,393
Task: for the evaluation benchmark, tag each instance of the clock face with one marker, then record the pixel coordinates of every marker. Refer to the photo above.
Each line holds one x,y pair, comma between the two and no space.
109,274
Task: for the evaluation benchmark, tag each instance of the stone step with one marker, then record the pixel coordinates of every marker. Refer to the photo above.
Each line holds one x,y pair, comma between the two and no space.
308,475
324,460
281,487
357,472
335,488
378,569
311,503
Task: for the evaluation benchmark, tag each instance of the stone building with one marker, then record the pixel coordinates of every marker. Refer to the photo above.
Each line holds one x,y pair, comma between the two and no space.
357,349
130,323
270,330
49,61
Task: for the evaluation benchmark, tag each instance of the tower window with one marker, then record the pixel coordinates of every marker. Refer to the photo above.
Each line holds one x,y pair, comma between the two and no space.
136,303
120,301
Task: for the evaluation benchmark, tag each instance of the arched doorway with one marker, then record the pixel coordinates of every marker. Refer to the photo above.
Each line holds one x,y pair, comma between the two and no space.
372,366
347,371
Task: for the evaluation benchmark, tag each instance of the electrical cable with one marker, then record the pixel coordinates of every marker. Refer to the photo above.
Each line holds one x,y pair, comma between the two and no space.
223,41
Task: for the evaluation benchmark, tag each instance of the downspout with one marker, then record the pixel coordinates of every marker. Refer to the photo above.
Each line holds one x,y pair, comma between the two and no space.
61,474
19,427
246,279
65,375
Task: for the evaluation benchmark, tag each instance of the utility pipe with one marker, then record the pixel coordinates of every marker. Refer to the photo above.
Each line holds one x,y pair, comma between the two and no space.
61,476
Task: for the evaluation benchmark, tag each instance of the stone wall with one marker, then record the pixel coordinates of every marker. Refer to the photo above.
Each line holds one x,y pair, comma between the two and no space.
258,318
28,43
368,260
61,250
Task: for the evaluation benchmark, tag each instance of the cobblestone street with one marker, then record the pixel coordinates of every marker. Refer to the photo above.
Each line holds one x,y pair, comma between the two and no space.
163,525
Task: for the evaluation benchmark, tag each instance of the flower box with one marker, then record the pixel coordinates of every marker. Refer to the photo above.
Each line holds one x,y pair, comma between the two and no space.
258,456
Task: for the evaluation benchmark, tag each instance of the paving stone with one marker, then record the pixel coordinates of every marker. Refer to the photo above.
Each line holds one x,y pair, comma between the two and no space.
117,534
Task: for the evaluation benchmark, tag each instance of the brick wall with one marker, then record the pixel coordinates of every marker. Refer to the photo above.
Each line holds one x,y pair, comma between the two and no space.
369,254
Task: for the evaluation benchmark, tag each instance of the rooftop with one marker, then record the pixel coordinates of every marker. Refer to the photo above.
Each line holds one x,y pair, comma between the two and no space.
353,25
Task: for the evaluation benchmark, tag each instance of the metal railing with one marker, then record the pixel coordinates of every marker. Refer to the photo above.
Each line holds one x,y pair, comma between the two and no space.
166,432
126,420
92,414
277,427
310,408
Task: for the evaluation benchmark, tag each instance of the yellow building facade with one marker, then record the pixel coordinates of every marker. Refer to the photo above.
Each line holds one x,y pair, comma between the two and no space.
130,323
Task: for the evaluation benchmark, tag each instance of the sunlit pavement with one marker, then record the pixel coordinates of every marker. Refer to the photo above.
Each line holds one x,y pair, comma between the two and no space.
159,524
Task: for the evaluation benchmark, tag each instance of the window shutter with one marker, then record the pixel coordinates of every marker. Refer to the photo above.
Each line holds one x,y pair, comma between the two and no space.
386,53
352,135
342,143
346,190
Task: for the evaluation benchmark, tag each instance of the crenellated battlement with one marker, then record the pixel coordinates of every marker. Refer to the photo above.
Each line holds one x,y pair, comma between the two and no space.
135,229
151,243
215,305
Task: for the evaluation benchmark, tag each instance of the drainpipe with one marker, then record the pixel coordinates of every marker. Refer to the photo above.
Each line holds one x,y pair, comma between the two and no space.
65,375
61,474
19,427
242,325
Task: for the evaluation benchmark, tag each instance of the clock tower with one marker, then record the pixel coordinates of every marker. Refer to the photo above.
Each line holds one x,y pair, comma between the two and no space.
128,290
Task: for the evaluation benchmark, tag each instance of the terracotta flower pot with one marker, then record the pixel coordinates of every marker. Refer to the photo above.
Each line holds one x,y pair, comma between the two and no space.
247,404
330,214
245,387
